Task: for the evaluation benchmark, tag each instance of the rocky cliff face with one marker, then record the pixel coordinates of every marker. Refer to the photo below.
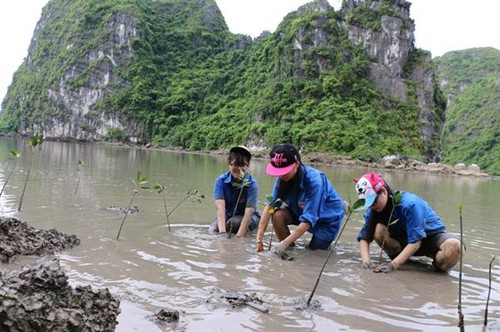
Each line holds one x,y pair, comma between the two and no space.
83,120
392,46
81,53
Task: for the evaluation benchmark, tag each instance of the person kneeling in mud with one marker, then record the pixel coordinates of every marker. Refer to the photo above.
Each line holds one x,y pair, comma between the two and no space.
312,203
235,196
408,223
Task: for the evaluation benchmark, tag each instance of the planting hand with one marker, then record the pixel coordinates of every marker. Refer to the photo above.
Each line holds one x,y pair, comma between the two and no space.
260,246
368,265
280,250
385,268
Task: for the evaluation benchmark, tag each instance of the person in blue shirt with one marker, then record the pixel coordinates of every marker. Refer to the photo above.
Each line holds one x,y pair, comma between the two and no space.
236,195
312,203
408,223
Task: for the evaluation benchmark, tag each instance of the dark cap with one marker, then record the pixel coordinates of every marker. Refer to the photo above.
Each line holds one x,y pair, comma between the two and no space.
241,150
283,158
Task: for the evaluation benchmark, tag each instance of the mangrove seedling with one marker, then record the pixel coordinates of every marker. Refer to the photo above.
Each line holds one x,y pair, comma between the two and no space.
79,167
35,141
140,182
161,189
459,307
395,198
13,154
356,207
193,195
243,181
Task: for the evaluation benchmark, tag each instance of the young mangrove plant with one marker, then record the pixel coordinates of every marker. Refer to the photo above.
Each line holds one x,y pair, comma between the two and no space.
459,308
79,167
161,189
35,141
13,154
356,207
140,182
242,182
193,194
395,198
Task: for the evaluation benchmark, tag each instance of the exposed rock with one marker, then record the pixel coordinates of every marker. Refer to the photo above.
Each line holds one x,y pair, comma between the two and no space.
40,299
167,316
123,210
473,168
18,238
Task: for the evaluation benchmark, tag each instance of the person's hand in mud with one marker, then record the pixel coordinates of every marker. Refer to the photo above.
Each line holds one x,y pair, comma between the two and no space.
384,268
260,246
368,265
281,251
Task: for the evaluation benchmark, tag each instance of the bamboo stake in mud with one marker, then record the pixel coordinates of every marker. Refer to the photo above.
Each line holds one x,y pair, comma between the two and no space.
460,314
485,322
357,204
275,205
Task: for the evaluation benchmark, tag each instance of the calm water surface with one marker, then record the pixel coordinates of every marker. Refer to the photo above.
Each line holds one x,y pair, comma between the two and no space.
150,268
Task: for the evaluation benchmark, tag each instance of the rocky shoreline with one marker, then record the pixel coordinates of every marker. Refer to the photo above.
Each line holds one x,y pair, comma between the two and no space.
38,297
393,162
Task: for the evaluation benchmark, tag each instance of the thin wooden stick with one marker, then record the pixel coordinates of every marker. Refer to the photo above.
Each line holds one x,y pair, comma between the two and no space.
485,322
351,210
460,314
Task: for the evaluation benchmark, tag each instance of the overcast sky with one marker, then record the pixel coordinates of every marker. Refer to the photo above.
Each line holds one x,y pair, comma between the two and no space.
441,25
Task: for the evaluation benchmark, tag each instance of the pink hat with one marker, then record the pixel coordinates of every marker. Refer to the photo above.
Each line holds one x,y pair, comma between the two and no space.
283,159
368,186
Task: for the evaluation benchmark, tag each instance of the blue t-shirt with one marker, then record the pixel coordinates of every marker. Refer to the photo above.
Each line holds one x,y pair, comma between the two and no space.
416,220
227,189
317,203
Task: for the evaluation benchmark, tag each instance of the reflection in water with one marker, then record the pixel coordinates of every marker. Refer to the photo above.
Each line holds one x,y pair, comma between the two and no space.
150,268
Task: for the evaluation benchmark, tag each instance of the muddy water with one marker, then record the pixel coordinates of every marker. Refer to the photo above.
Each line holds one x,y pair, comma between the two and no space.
150,268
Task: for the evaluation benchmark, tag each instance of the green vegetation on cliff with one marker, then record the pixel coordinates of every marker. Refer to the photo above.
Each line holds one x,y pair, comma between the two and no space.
471,80
179,78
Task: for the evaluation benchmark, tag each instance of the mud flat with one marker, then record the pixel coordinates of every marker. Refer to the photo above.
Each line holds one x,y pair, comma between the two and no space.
38,297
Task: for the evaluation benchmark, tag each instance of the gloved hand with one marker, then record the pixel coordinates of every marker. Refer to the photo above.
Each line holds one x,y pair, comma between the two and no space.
385,268
279,249
368,265
260,246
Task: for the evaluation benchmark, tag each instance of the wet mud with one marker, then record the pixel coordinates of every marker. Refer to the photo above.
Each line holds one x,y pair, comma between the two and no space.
38,297
19,238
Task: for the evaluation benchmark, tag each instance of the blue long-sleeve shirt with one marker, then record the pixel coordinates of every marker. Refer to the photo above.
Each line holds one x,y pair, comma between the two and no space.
317,202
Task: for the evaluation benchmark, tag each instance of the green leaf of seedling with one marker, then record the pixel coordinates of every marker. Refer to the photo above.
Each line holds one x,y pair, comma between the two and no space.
36,140
460,207
141,178
159,188
14,154
269,199
80,164
398,196
393,222
359,204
